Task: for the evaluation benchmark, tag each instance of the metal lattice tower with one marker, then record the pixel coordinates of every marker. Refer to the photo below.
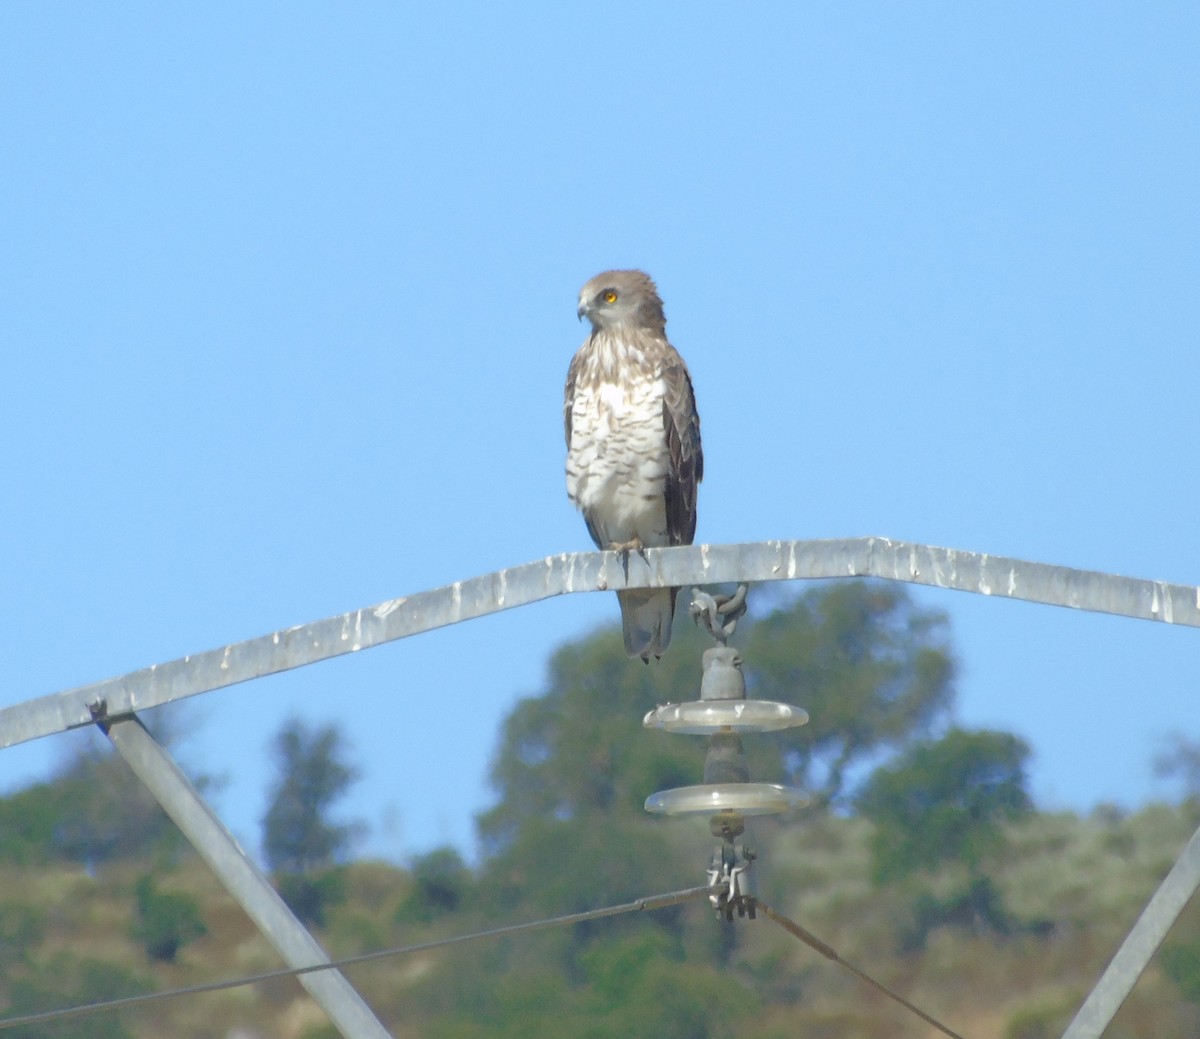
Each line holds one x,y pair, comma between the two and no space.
113,704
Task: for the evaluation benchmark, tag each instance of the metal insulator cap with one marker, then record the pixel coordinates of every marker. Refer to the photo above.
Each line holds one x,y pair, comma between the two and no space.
723,678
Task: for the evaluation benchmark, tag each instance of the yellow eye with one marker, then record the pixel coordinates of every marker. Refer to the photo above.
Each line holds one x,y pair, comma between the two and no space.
610,296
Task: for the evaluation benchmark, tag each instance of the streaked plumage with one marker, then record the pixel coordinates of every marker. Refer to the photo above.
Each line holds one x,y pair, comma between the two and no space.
633,440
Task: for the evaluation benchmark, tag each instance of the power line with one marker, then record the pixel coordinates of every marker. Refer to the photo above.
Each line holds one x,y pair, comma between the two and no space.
647,904
830,953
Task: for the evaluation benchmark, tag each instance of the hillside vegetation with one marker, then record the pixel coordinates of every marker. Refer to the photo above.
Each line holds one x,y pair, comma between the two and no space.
935,875
1077,883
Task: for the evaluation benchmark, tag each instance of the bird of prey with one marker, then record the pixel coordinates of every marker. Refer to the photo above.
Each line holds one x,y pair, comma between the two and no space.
633,440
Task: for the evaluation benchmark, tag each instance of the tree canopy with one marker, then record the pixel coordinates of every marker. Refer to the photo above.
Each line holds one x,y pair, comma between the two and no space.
302,843
872,668
299,834
945,800
93,810
567,832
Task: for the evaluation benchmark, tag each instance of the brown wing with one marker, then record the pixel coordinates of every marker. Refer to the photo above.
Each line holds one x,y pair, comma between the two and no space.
569,395
682,424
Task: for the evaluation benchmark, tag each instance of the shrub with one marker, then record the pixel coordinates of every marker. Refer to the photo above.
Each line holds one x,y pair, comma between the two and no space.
165,922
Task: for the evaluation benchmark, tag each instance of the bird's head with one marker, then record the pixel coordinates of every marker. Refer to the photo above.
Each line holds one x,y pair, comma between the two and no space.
622,298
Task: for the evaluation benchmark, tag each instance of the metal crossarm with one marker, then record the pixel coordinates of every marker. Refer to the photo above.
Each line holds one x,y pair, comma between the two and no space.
113,702
599,571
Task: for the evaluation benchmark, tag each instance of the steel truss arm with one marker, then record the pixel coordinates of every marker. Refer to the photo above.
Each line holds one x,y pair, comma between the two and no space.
114,701
591,572
242,879
1139,946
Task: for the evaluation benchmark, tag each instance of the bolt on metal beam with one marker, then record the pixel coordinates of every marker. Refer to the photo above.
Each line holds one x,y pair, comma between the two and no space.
243,880
601,571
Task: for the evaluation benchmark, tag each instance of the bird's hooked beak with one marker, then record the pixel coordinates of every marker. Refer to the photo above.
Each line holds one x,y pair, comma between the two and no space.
583,309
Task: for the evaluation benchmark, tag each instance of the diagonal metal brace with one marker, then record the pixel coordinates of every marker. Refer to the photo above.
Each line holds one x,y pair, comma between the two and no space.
1140,945
244,881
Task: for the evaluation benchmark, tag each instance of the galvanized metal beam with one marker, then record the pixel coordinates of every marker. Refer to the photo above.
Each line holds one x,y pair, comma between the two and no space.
114,701
1139,946
600,571
253,892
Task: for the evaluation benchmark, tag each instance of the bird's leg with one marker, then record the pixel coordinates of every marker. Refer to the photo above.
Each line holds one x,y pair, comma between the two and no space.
623,548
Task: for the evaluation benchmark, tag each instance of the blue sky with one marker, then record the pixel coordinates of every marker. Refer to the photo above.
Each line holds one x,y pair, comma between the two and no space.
287,296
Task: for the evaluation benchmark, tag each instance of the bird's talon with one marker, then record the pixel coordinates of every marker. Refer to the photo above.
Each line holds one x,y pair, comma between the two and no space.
625,547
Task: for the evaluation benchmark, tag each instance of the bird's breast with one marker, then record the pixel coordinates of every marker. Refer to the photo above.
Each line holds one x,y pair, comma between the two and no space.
628,415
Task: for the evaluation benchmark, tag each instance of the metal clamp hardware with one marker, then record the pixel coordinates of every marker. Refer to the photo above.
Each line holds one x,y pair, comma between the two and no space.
718,614
730,873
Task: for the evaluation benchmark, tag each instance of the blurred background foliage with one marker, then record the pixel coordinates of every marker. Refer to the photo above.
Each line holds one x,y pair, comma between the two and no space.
922,859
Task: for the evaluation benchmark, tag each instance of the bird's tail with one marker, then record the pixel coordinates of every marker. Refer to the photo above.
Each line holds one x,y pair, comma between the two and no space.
646,615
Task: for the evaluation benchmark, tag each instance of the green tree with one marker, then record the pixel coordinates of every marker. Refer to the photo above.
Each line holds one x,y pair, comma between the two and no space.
946,801
28,822
298,833
66,979
1181,963
568,832
441,885
1180,760
636,983
93,810
105,814
873,669
579,747
301,842
22,926
165,921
